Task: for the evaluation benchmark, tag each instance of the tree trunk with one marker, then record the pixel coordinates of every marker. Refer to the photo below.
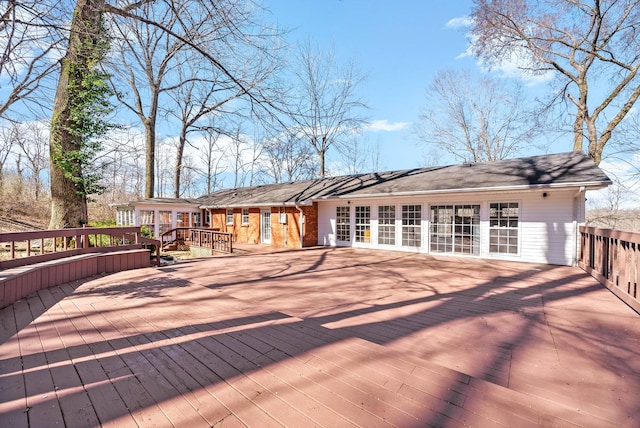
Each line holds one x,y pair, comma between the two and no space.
178,168
321,154
150,158
68,202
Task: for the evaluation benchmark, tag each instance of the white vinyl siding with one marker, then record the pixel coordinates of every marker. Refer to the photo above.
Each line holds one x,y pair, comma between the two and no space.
546,228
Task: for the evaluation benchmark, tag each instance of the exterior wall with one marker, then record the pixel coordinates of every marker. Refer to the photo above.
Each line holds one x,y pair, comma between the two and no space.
547,225
287,234
218,221
285,225
169,221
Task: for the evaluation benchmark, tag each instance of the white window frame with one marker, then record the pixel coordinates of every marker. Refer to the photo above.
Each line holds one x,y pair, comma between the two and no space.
387,225
460,238
502,227
411,227
245,216
343,224
363,224
229,216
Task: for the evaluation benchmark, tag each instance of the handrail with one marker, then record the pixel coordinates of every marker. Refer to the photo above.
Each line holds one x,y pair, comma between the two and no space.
31,247
212,238
613,258
175,234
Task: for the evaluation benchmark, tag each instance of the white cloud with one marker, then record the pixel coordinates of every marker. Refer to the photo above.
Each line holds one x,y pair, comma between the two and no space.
516,66
459,22
385,125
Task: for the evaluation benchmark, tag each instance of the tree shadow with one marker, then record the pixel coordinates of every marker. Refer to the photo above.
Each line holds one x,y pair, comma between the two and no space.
152,368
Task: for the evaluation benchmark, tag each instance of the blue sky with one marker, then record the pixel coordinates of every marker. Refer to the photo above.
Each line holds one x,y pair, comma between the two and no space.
398,46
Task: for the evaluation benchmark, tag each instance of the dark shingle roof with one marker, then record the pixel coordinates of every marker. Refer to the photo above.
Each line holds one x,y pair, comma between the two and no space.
160,201
556,170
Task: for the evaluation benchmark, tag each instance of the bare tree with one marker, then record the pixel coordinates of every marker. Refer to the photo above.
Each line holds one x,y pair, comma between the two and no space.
328,108
213,156
31,32
165,154
375,158
355,158
475,119
195,98
145,56
289,157
8,135
593,47
123,156
33,142
164,37
239,158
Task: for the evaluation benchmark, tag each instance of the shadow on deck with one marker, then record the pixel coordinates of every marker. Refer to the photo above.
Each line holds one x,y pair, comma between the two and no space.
323,336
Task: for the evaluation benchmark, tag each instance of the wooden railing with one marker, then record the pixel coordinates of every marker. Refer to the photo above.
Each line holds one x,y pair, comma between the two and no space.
213,239
177,234
613,258
25,248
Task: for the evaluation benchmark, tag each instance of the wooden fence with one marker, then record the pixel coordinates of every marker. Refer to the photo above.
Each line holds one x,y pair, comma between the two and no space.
25,248
613,258
213,239
33,261
207,238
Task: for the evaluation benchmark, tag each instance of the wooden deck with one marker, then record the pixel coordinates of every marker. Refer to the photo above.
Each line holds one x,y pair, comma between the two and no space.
323,337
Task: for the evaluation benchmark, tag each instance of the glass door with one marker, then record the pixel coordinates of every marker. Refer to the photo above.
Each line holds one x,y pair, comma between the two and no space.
265,226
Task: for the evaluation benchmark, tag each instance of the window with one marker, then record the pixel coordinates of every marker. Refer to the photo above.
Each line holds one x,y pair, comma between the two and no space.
442,229
387,225
147,218
196,219
164,218
229,216
455,229
503,227
245,216
411,225
124,217
343,231
363,224
182,220
207,218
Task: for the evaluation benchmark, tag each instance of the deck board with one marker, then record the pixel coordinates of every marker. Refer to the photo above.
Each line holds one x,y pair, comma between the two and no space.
323,337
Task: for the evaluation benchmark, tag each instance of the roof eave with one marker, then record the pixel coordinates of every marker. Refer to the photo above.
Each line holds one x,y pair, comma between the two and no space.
258,205
595,185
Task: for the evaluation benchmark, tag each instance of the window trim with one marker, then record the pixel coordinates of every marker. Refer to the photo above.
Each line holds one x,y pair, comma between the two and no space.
392,226
420,226
245,217
341,226
517,229
450,239
229,215
365,228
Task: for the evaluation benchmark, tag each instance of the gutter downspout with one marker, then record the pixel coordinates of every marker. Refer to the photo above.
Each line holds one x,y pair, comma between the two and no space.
301,221
576,232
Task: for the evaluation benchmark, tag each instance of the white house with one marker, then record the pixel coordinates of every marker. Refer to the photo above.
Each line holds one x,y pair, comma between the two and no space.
526,209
